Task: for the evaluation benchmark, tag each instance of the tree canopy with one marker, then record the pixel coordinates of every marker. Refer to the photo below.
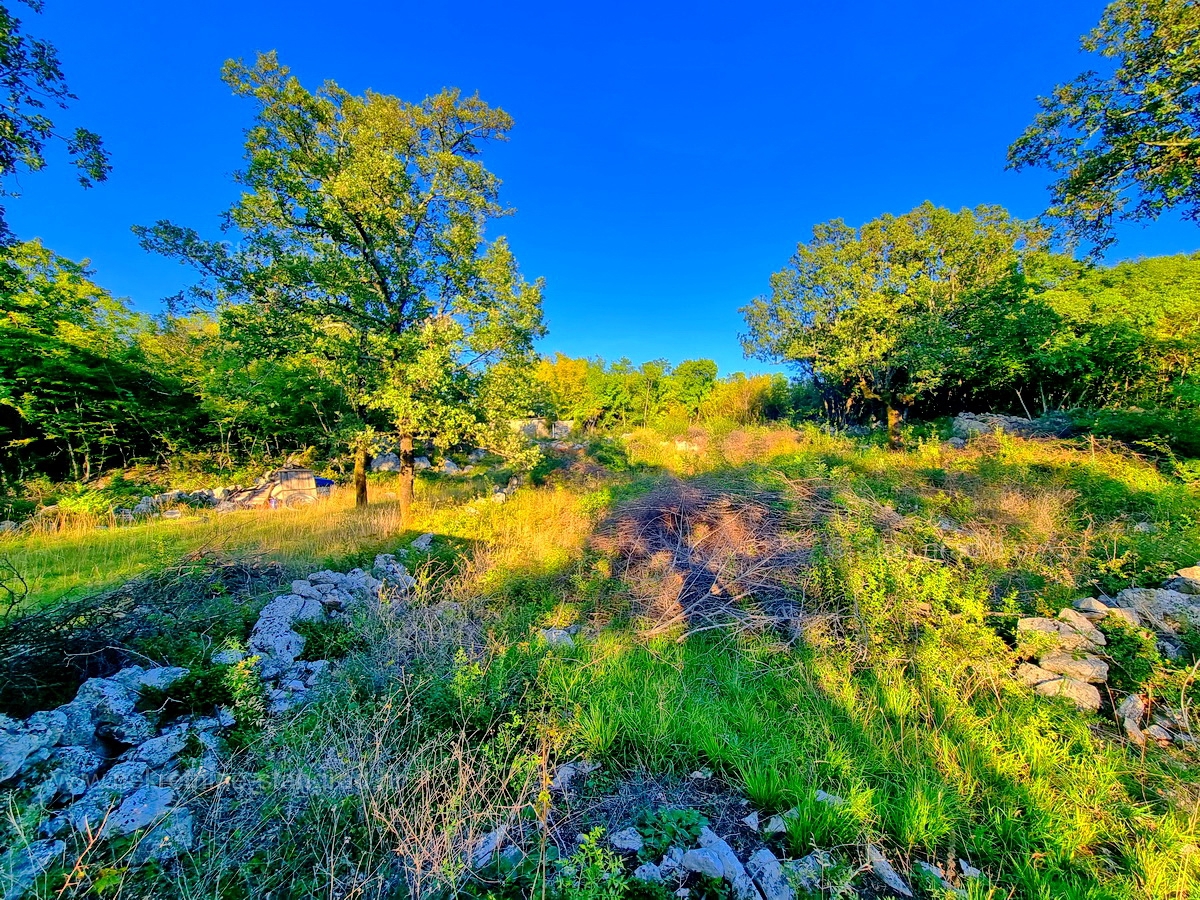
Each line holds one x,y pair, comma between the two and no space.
361,238
31,79
1124,142
888,313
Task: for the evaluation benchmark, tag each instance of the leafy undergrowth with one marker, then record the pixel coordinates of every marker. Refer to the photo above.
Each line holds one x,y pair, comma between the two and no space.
889,685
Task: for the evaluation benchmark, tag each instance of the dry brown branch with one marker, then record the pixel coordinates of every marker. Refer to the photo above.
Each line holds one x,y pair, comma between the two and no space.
707,556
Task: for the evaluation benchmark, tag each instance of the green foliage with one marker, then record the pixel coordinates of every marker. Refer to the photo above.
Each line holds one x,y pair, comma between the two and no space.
328,639
361,237
32,79
592,872
237,687
596,394
817,825
879,314
1132,653
77,390
1122,137
661,829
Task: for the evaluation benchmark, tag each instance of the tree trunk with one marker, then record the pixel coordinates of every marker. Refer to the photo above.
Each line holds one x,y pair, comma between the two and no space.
407,480
893,424
360,474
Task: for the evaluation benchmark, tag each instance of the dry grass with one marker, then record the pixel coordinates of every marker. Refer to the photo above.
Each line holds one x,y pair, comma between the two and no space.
696,554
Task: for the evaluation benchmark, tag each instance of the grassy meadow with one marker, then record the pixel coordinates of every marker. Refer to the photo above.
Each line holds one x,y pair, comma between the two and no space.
886,680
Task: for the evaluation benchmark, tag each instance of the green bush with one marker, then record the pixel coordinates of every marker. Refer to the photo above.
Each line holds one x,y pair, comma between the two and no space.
666,827
592,872
1132,653
1177,430
328,639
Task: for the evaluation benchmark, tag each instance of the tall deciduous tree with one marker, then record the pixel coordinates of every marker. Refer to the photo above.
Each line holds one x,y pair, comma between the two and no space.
360,235
30,80
874,311
1124,143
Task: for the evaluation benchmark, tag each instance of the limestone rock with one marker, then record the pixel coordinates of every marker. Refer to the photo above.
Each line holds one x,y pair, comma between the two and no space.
1032,675
809,872
703,862
768,874
1132,707
159,751
386,462
1164,610
626,841
751,821
143,807
648,872
1091,609
1089,669
968,870
1082,694
119,782
175,834
21,740
672,860
1052,633
934,873
557,637
884,872
1128,616
23,865
1080,623
422,543
488,847
227,657
731,867
568,772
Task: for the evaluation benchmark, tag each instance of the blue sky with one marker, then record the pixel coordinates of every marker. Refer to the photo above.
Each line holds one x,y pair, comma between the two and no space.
666,157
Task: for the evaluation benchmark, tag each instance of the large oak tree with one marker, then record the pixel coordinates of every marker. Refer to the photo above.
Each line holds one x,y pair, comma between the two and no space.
887,313
360,236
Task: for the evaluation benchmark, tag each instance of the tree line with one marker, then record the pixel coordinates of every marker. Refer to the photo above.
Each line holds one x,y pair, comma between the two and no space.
354,290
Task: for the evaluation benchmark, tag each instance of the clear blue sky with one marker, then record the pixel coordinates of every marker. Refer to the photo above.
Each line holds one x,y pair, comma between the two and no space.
666,157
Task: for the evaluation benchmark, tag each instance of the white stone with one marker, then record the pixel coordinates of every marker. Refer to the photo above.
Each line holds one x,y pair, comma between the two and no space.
703,862
557,637
422,543
934,873
227,657
488,847
1082,694
968,870
648,872
1089,669
1132,707
144,806
884,872
751,821
21,740
175,834
768,874
23,865
1091,609
1032,675
626,841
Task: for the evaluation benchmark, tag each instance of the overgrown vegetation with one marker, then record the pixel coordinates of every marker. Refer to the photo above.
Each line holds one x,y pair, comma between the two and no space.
886,682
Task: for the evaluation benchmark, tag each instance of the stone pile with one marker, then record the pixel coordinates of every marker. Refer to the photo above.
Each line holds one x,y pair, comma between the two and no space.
967,425
321,597
1069,650
100,766
757,874
763,876
157,504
